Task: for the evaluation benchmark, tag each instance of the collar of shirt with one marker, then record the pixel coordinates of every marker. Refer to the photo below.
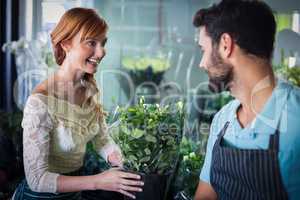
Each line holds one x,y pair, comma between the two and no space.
267,121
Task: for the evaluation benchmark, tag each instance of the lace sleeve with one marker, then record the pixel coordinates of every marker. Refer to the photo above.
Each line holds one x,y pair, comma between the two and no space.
36,126
103,143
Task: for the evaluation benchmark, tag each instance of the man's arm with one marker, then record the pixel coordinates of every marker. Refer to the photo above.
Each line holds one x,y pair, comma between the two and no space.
205,192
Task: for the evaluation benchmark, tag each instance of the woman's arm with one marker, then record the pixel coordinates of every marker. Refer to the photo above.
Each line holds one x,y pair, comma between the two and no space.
37,125
205,192
106,146
110,180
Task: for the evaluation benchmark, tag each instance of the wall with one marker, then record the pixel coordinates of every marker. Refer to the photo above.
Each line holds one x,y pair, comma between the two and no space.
135,30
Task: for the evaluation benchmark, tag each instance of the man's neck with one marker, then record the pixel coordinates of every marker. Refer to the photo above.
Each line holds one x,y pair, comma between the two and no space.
253,87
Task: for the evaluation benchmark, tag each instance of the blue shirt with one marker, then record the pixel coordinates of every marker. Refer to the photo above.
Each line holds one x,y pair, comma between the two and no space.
283,106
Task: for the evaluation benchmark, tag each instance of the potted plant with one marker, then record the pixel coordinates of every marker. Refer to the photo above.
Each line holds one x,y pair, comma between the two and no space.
187,175
149,137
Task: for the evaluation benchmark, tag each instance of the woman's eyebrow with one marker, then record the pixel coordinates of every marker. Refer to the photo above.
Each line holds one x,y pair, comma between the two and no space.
98,40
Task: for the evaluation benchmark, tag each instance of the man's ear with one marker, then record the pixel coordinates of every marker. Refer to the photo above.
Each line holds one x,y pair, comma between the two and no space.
226,45
66,45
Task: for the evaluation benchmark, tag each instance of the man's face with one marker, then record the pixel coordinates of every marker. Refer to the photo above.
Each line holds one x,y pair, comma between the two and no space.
220,73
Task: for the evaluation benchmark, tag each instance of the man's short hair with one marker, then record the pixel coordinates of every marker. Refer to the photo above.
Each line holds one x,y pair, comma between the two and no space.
251,24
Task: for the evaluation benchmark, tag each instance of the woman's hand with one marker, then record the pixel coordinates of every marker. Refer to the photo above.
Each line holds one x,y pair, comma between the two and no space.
115,159
119,181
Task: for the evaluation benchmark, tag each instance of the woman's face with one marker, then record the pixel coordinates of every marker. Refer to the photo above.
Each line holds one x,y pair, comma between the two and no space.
85,55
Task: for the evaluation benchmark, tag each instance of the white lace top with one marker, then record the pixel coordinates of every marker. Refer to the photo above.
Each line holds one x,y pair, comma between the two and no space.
54,139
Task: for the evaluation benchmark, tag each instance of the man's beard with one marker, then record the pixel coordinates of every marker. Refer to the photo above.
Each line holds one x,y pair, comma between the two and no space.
220,82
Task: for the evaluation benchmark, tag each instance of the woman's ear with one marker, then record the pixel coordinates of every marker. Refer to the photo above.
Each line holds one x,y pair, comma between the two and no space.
66,45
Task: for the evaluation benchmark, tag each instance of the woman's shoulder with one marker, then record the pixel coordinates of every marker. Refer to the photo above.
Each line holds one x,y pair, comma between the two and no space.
43,87
36,110
42,90
39,96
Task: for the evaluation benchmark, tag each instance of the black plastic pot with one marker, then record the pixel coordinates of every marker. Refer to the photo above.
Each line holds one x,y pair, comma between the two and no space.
154,188
101,195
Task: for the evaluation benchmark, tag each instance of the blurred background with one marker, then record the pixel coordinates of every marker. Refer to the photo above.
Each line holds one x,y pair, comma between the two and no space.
151,51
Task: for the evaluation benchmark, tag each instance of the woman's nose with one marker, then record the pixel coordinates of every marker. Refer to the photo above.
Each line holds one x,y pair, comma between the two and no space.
100,51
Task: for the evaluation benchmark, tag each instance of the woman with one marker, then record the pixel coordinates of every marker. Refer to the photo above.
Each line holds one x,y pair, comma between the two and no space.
61,116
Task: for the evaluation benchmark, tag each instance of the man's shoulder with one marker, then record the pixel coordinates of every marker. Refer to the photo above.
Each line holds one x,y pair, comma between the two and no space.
228,110
225,114
294,97
293,109
293,103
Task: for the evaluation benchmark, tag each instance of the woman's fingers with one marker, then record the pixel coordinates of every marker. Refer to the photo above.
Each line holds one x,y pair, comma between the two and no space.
125,174
127,193
131,182
130,175
130,188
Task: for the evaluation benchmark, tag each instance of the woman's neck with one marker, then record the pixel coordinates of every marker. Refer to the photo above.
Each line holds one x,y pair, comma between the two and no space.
70,75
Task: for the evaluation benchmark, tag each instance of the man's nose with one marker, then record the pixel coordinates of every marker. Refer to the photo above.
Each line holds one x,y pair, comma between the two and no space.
202,65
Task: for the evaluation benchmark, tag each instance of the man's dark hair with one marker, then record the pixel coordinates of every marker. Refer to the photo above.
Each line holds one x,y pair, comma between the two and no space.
251,24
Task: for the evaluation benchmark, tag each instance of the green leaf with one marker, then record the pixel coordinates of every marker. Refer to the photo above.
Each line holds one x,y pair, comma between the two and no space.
125,130
171,142
179,105
132,157
137,133
151,138
147,151
132,110
145,159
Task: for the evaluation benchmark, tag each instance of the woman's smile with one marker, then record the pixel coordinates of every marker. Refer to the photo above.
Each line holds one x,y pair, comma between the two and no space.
93,61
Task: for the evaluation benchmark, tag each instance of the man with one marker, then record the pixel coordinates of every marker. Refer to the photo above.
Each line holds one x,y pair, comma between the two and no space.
253,150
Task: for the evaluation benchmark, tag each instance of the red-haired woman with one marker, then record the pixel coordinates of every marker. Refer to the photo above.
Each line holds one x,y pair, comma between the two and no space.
62,115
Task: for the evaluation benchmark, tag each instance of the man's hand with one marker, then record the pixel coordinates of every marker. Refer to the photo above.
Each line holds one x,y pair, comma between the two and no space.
205,192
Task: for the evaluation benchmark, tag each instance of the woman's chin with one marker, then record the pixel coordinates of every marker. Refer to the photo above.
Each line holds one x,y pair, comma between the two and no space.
91,70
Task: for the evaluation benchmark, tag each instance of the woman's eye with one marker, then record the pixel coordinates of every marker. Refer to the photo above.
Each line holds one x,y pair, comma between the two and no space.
92,43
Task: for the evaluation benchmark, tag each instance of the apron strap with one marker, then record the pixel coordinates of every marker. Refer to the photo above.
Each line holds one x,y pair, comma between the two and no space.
223,131
274,141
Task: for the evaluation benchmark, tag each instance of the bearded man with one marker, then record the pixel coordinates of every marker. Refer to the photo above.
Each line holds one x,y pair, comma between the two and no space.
253,150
